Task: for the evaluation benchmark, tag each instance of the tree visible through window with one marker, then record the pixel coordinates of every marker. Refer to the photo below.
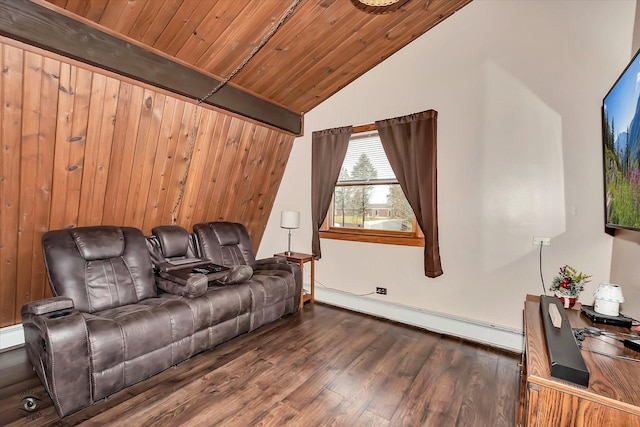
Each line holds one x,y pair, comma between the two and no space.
367,197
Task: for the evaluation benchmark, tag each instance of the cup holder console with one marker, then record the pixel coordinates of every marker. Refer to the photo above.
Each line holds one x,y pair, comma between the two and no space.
59,314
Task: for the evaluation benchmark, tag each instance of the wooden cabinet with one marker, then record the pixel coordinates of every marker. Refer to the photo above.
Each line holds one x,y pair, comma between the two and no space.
613,395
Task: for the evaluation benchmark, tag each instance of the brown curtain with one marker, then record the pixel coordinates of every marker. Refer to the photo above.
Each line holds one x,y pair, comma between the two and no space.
328,148
410,145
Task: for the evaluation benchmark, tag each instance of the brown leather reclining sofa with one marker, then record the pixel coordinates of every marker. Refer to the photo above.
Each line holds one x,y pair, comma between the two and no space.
109,325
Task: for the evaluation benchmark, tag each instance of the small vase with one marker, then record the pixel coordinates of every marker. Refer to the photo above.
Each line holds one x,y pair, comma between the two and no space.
567,301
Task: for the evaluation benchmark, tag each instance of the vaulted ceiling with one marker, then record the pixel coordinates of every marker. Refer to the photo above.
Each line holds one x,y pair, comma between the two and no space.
322,47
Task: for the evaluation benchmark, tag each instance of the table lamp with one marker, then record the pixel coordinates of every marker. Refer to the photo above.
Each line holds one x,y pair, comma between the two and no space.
289,220
607,299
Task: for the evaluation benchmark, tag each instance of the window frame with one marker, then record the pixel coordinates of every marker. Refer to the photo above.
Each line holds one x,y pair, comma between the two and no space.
403,238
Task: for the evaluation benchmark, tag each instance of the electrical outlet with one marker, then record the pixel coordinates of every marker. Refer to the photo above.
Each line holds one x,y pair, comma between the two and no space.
381,291
544,241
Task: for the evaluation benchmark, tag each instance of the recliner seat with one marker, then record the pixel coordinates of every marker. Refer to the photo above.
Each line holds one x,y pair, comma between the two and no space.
276,285
109,327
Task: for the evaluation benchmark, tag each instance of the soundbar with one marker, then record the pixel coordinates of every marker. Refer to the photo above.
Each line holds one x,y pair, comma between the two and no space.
565,358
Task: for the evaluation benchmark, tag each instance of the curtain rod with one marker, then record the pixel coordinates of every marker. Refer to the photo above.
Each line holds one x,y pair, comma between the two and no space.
364,128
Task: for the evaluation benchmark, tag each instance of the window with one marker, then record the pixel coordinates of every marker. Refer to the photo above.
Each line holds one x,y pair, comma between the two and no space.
368,203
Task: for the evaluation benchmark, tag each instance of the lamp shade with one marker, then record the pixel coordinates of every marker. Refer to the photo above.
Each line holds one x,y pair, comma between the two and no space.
607,299
290,219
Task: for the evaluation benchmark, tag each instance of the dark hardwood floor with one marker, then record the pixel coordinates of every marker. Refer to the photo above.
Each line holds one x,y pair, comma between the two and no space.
322,367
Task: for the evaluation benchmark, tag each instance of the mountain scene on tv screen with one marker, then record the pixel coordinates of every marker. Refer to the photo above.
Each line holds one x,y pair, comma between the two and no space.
621,132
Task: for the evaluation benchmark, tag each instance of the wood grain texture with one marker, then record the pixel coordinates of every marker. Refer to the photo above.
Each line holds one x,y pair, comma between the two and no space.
556,408
611,398
11,89
320,49
322,367
28,174
40,24
85,148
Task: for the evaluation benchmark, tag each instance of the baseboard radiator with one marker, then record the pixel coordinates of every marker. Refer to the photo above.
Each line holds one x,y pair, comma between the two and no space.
469,329
11,336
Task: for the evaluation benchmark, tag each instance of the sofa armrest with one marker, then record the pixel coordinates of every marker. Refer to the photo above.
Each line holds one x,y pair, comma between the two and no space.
236,274
195,285
48,305
290,267
57,346
271,260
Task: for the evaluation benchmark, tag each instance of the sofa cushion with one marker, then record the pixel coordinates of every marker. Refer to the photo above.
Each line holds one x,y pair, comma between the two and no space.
218,304
138,328
119,336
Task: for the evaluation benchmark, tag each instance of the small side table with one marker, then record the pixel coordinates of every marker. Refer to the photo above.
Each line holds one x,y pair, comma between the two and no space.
301,259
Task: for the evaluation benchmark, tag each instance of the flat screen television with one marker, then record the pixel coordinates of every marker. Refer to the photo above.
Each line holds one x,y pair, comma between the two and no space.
621,149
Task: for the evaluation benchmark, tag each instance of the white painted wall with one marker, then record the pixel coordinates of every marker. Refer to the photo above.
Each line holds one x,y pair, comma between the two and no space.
625,268
518,86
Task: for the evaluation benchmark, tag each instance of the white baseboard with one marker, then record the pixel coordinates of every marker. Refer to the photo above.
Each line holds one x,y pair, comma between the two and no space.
472,330
11,336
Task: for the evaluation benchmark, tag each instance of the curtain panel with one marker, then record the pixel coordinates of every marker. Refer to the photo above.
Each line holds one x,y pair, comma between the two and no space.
410,145
328,148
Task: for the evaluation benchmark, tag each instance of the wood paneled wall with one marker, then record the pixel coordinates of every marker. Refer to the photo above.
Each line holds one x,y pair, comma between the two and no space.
82,147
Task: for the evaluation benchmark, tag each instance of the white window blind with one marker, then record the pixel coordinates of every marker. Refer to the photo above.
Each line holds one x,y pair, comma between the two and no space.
367,144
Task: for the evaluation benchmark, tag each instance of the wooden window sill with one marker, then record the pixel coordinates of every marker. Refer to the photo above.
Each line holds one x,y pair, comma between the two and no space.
373,238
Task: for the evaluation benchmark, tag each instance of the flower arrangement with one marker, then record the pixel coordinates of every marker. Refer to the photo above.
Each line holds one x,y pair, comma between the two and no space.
569,282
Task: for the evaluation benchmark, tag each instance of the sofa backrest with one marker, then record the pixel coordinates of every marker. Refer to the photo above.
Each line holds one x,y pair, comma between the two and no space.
99,267
169,243
224,243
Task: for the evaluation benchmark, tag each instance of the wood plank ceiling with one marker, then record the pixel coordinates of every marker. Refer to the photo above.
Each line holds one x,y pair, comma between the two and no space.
323,46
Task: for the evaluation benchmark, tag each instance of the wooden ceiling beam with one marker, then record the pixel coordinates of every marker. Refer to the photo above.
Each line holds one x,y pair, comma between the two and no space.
39,26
